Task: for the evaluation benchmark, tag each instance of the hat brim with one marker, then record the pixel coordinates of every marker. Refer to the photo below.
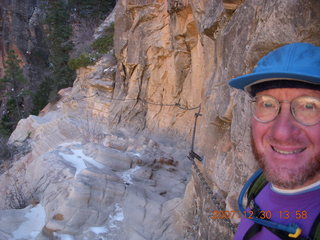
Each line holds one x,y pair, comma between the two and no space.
245,82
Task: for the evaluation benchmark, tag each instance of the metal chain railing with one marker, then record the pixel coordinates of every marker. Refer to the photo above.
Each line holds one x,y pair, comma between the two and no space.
136,99
192,156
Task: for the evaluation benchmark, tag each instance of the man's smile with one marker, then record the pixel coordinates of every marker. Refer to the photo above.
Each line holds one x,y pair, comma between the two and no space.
288,152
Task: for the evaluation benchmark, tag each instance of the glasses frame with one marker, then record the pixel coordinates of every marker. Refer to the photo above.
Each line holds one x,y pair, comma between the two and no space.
253,101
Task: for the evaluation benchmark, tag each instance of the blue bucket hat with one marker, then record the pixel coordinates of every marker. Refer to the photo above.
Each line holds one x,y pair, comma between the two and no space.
299,62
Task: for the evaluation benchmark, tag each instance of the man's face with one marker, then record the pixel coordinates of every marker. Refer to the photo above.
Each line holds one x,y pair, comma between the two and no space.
287,151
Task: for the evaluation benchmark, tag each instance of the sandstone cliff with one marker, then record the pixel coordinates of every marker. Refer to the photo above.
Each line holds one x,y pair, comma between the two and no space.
184,52
171,56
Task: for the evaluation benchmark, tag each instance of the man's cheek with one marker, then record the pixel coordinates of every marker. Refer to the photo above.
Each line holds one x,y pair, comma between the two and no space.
255,136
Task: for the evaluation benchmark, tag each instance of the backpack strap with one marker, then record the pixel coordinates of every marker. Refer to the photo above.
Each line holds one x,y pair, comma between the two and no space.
252,231
256,228
256,187
315,229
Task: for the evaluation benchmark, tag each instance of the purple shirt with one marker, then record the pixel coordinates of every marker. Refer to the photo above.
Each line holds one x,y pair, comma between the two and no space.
302,209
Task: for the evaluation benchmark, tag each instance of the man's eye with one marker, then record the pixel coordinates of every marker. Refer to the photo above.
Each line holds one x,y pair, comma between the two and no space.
267,105
309,106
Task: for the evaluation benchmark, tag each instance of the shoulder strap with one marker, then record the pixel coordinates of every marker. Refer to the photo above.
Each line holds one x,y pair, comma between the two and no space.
315,229
256,187
256,228
253,230
253,191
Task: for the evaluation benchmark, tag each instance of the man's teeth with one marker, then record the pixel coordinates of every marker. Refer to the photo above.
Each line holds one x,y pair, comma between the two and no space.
288,152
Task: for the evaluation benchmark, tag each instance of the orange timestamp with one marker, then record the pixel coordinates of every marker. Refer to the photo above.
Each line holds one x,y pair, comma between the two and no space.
261,214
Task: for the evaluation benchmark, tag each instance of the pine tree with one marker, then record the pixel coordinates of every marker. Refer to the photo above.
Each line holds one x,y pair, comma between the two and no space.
60,45
12,82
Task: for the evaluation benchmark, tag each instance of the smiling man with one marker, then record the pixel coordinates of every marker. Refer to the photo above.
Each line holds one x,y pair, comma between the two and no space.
284,197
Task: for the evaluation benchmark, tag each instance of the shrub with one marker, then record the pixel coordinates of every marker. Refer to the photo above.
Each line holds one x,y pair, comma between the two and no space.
16,197
91,128
42,96
104,43
13,81
84,60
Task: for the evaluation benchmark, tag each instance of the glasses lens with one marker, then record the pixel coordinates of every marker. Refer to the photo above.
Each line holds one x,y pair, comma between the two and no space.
265,108
306,110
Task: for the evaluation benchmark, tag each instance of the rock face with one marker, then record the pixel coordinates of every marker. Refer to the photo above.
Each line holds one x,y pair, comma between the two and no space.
22,30
108,160
82,181
120,188
184,52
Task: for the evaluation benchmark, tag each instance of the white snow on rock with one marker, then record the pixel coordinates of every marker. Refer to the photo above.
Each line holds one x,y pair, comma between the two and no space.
117,217
98,230
63,236
108,231
78,159
136,154
67,144
35,220
127,175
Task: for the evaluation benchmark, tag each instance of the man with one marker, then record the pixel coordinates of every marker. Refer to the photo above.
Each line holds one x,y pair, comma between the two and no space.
285,129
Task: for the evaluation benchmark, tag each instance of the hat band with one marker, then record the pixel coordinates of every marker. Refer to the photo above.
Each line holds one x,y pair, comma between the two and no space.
281,83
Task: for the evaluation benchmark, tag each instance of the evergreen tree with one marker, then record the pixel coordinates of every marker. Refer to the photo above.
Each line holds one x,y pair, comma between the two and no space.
12,82
60,45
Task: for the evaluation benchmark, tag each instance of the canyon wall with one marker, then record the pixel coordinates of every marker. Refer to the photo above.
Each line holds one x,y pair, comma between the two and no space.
179,54
22,30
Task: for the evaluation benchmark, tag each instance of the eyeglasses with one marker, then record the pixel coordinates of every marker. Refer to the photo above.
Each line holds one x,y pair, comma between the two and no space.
305,109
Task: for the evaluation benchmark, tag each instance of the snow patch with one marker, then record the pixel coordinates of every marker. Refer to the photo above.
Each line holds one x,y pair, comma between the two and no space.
78,159
110,230
79,153
137,154
117,217
61,236
98,230
35,220
66,144
127,175
106,70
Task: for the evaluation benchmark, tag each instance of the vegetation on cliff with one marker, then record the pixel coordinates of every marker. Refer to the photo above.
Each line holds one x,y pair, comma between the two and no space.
11,82
55,24
59,33
60,46
100,46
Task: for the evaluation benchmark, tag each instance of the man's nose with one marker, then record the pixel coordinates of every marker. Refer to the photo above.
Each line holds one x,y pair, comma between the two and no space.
284,126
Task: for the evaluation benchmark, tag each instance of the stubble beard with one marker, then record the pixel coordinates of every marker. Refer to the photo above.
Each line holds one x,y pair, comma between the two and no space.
283,177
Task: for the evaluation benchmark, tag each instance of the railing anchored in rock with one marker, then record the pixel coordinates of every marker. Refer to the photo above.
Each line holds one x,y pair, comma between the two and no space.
192,156
135,99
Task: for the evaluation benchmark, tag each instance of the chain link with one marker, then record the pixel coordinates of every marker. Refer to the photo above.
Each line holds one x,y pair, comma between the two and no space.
213,198
192,156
